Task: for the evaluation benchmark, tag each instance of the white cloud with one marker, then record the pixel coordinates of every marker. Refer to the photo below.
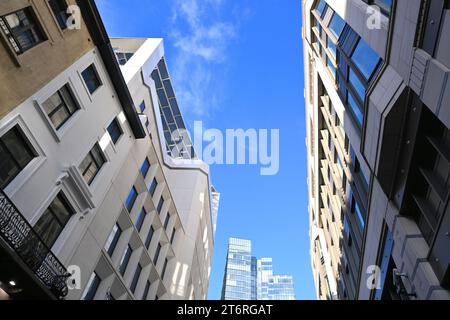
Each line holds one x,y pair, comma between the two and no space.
202,37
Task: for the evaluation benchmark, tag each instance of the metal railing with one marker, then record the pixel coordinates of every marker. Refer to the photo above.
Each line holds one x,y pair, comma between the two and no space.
28,245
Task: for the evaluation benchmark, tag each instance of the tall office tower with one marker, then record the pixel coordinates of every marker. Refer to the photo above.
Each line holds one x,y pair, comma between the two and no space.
378,118
281,288
89,192
248,278
264,274
239,282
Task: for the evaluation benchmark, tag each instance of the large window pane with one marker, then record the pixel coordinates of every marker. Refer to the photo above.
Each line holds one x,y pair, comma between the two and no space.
357,113
337,25
365,58
22,29
357,85
91,164
15,154
91,78
321,7
54,219
59,8
115,131
60,106
125,259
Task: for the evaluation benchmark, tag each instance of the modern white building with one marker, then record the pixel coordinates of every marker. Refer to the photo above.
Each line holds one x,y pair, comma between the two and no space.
90,192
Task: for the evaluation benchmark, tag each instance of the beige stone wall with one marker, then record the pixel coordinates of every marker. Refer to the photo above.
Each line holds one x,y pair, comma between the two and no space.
24,74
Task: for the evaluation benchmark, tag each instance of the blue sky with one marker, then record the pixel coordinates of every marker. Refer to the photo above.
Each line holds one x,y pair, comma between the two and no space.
238,64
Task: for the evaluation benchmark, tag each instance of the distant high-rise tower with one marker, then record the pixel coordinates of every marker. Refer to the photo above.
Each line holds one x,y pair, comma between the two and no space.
239,281
248,278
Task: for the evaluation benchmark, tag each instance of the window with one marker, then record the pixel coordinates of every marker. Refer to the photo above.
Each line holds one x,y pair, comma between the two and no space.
321,8
22,29
152,187
357,85
136,276
173,235
114,130
125,259
15,154
336,25
160,205
332,69
164,269
356,110
166,221
91,287
148,240
140,219
145,167
131,199
385,5
146,290
113,238
365,58
123,57
91,78
142,106
92,164
60,106
357,210
156,256
59,8
54,219
331,47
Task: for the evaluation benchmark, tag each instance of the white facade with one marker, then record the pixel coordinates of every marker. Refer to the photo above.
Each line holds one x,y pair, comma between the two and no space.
183,226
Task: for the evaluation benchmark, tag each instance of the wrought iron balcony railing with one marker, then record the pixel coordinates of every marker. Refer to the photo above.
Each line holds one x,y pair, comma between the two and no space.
28,245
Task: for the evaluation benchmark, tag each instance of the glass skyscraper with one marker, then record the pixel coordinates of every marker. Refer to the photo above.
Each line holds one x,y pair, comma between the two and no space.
248,278
239,281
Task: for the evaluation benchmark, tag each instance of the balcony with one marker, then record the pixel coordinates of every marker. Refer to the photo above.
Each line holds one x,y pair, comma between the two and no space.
26,257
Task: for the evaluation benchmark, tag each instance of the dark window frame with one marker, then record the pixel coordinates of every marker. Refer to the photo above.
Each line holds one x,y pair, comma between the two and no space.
63,105
59,10
95,162
96,80
12,34
112,127
28,148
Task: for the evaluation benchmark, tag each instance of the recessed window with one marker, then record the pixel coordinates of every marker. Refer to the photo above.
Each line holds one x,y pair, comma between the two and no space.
152,187
60,106
156,256
131,199
166,221
331,67
92,164
148,240
22,29
173,235
125,259
91,287
331,47
91,78
113,238
59,8
163,273
356,110
356,209
142,106
15,154
115,131
357,85
54,219
145,167
136,276
365,58
321,8
140,219
336,25
146,290
160,205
